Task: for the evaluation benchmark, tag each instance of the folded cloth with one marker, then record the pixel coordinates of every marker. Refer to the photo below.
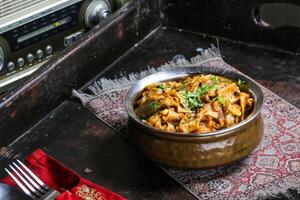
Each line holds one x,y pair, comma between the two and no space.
67,182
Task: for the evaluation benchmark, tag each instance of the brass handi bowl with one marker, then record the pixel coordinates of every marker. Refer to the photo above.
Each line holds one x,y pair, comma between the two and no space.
196,150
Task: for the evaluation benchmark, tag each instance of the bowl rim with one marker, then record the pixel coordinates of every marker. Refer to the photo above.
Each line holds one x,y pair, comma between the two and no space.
182,72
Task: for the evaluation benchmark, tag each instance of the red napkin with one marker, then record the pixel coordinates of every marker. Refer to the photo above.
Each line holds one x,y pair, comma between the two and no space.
68,183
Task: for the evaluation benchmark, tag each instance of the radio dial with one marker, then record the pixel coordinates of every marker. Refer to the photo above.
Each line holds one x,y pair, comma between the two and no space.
20,62
1,58
97,11
30,57
39,53
11,66
48,49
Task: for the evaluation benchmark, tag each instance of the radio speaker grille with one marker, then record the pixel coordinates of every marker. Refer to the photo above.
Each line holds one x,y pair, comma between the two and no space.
9,7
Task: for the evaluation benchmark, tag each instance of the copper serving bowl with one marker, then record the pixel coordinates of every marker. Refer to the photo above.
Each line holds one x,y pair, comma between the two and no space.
196,150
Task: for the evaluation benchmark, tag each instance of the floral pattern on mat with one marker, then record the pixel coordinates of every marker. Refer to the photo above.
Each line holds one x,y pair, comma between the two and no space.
273,167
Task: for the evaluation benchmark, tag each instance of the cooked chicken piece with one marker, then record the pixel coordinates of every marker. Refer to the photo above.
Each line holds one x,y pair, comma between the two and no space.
189,127
193,85
216,106
210,122
187,117
165,111
212,93
168,102
205,98
243,102
229,120
154,120
177,97
235,109
206,111
229,93
170,127
204,78
213,114
174,85
202,129
172,116
250,102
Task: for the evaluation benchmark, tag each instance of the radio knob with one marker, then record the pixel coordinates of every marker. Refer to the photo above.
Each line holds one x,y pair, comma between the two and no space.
20,62
96,11
1,58
30,57
49,49
39,53
11,66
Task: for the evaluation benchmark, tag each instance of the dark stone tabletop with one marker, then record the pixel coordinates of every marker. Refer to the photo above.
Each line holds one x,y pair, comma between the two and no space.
278,71
79,140
74,136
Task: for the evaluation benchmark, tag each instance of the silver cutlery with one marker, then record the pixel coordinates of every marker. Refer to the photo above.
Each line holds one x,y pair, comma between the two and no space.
30,183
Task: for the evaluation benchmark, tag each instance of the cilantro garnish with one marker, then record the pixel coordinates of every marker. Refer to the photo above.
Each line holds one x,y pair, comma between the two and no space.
244,87
154,105
221,100
192,99
161,87
213,87
240,82
204,89
214,79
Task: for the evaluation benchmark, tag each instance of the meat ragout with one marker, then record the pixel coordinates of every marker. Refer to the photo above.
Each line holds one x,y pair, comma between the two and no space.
196,104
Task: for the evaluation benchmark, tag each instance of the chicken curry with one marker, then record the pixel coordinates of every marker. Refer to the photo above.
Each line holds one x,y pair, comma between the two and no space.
195,104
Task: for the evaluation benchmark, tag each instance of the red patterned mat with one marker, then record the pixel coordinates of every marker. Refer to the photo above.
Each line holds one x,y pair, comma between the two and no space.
271,169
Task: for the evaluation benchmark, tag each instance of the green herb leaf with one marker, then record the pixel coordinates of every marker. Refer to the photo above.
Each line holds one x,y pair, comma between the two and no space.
221,100
214,79
154,105
161,87
244,87
192,99
213,87
204,89
240,82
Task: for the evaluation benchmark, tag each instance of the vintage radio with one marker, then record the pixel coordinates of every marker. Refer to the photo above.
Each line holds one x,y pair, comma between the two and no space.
31,31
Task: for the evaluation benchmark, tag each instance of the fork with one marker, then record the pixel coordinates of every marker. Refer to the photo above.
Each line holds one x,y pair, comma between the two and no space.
30,183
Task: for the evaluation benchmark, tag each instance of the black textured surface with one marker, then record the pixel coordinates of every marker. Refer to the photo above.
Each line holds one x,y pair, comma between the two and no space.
275,70
231,19
75,137
82,142
79,140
